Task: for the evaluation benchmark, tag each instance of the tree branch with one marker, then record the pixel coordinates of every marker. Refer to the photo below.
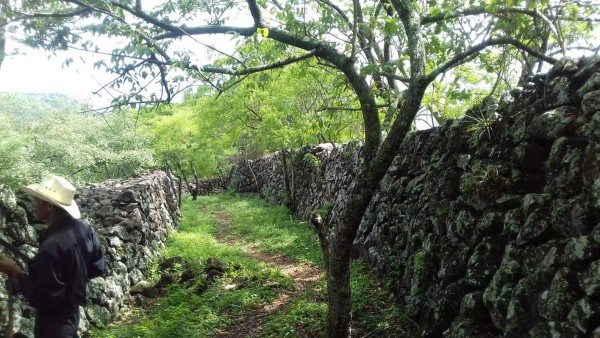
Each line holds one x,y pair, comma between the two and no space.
338,10
24,16
252,70
210,29
142,15
348,109
458,59
255,11
481,10
396,77
472,11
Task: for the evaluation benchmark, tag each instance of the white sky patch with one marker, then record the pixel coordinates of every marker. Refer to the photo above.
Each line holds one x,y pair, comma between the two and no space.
27,70
37,71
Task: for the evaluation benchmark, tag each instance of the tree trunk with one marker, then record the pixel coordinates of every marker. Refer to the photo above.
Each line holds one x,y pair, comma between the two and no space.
289,202
345,222
196,190
338,293
183,177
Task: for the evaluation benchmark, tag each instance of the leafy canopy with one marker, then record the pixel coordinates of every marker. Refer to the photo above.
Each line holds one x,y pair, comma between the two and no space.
47,134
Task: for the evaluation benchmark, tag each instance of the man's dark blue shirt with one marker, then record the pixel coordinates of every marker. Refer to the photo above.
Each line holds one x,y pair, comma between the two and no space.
68,257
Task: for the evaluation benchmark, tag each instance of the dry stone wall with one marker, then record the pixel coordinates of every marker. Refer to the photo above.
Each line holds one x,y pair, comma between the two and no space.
317,176
486,226
132,219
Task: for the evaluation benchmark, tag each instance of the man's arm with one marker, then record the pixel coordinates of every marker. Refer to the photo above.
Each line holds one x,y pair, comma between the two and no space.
9,267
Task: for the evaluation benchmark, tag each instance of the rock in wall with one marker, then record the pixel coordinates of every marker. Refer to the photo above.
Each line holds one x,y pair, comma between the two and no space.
132,219
489,225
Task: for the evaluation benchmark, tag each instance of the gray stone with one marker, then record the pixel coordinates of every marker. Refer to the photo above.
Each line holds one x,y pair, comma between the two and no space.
559,92
591,102
138,288
570,217
483,262
8,200
589,279
592,84
583,313
565,66
520,312
564,164
555,302
497,295
97,315
537,229
581,248
553,329
561,121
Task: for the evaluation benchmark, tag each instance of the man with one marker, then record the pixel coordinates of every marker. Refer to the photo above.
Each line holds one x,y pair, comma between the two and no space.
68,257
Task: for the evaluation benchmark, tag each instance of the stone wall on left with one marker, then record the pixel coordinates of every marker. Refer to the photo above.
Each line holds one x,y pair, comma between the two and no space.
132,218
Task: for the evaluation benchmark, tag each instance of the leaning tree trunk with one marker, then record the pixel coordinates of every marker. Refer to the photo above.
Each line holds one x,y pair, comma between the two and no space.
345,222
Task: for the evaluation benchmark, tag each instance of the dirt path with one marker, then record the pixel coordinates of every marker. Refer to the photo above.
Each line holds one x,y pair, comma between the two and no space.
303,275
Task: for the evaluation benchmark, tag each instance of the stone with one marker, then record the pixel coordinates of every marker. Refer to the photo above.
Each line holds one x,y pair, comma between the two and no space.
520,312
583,313
596,193
555,302
565,66
452,264
570,217
8,200
127,196
468,327
559,92
554,123
589,279
150,292
553,329
165,280
171,263
596,234
537,229
483,262
138,288
564,164
497,294
581,248
588,65
97,315
591,102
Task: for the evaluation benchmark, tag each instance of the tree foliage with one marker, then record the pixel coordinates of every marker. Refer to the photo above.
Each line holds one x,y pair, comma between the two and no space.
47,134
280,109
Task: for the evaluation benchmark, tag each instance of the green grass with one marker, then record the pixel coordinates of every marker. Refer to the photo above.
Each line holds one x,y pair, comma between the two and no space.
269,226
183,313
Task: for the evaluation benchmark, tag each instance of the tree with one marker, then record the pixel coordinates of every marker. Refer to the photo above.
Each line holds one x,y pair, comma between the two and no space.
46,133
391,53
279,109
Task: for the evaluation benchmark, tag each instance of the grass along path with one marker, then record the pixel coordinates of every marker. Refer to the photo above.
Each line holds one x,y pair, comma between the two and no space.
303,275
273,286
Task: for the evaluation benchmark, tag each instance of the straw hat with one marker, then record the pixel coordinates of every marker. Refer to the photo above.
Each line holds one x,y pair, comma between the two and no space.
57,191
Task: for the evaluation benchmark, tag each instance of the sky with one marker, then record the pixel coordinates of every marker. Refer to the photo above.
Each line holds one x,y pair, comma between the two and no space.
32,71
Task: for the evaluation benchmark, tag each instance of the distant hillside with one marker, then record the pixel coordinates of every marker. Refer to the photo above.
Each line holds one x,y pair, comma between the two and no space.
30,105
